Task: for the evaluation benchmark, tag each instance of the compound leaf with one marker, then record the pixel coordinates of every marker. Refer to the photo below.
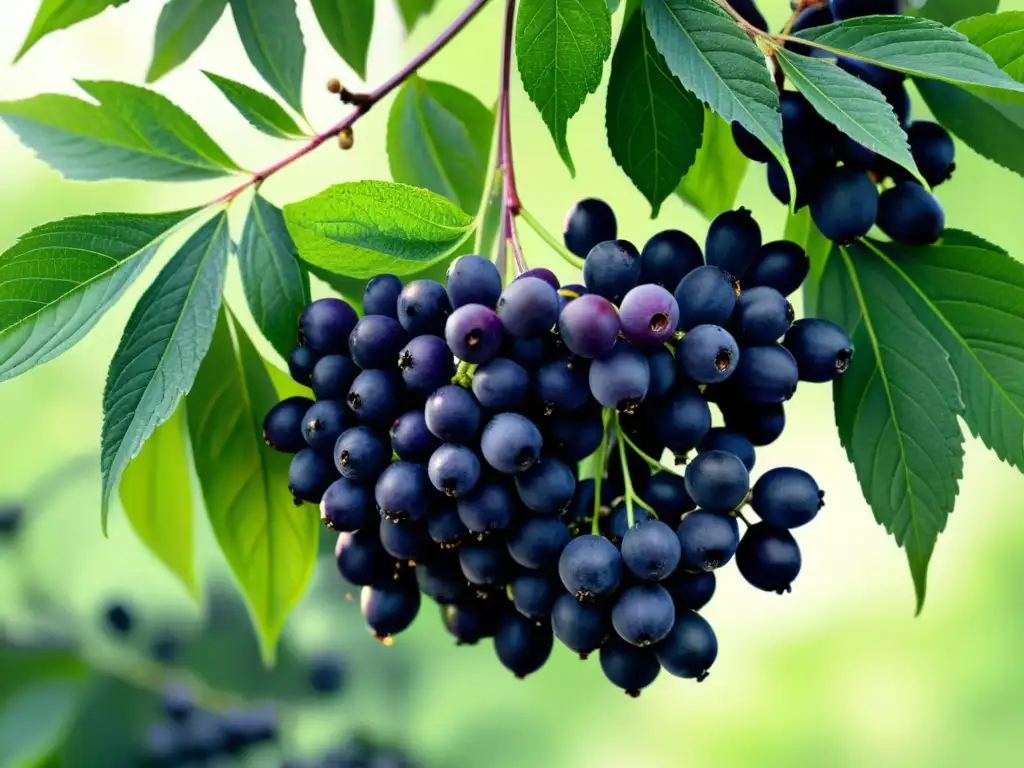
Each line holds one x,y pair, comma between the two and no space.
273,41
714,179
261,111
347,25
54,15
182,27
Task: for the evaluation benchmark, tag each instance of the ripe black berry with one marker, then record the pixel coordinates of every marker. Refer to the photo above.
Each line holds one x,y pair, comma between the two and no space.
787,497
627,666
708,540
821,349
522,645
846,206
733,242
651,550
643,614
473,280
668,257
768,557
388,611
282,426
612,269
403,491
690,648
590,566
325,326
380,296
423,307
910,214
537,542
588,222
706,296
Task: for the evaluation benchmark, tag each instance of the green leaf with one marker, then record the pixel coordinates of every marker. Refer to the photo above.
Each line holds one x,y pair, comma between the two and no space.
439,137
897,405
261,111
276,286
35,720
800,229
59,278
347,25
133,133
854,107
919,47
488,238
713,181
272,39
720,64
950,11
182,27
655,126
974,299
156,495
111,725
561,47
1001,36
412,10
54,15
363,228
162,346
269,543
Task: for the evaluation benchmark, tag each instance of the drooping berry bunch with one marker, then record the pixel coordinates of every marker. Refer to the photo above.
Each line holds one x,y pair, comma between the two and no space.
838,177
492,447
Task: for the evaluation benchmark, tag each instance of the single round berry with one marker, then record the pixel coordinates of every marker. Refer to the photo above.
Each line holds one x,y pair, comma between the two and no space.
666,492
582,627
547,487
406,541
469,624
749,145
589,326
708,540
528,307
423,307
663,372
309,475
651,550
627,666
380,296
323,424
644,614
542,273
649,315
768,558
473,279
782,265
361,454
621,379
488,507
442,581
910,214
534,594
522,645
573,438
787,497
822,350
388,611
723,439
411,439
452,414
690,591
325,326
706,296
426,363
717,480
761,423
733,242
282,426
119,618
762,316
618,521
454,470
668,257
588,222
403,491
326,674
485,563
474,333
611,269
360,558
767,374
561,385
538,541
501,385
590,566
301,362
933,151
529,353
690,648
851,9
376,341
333,376
511,443
708,354
445,527
375,396
846,206
682,419
347,506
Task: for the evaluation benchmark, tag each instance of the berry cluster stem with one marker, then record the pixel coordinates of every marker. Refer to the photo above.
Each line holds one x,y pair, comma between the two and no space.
364,102
511,202
629,494
599,460
550,239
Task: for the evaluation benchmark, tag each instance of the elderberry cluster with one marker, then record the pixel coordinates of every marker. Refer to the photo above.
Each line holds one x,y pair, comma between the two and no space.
835,175
452,422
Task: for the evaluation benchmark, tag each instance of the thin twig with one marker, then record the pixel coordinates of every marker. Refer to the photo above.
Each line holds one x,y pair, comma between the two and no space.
512,201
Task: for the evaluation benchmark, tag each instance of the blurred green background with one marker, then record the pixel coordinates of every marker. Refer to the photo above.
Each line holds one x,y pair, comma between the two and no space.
838,673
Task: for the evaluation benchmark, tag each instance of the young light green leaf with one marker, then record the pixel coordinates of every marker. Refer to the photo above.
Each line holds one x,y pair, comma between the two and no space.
133,133
919,47
1001,36
54,15
718,62
439,137
261,111
896,407
561,47
162,346
272,39
269,543
347,25
714,179
182,27
854,107
800,229
655,126
991,128
59,278
973,297
951,11
412,10
156,495
363,228
276,286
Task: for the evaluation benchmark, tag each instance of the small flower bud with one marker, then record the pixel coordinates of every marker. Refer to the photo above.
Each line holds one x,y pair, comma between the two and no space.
346,138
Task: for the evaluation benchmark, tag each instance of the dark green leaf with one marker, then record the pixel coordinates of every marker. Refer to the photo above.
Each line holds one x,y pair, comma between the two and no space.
655,126
59,279
269,543
561,47
613,5
111,726
363,228
165,340
25,663
182,27
156,495
412,10
35,719
276,286
439,137
800,229
897,405
1001,36
54,15
714,179
272,39
919,47
720,64
347,25
262,112
133,133
850,104
974,298
950,11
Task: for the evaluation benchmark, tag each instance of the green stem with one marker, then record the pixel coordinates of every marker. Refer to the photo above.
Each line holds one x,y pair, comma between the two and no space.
599,459
649,460
626,480
550,239
464,374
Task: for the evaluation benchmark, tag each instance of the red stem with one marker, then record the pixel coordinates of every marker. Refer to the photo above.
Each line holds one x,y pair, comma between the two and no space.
365,103
512,201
